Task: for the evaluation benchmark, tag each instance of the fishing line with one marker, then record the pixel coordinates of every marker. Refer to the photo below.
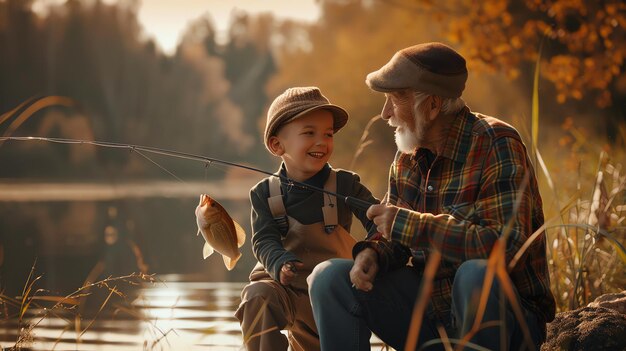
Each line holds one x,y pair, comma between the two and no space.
206,170
289,185
157,164
349,200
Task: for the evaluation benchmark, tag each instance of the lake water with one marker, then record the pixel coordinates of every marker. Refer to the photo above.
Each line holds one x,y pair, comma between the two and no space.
61,230
175,313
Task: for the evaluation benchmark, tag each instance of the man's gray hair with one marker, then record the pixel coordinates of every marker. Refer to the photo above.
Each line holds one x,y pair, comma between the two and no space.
449,105
452,105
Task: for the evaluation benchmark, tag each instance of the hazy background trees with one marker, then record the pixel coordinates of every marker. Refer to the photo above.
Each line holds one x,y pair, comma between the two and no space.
210,98
206,99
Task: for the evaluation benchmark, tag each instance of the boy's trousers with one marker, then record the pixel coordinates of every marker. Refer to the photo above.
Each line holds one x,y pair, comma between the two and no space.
275,307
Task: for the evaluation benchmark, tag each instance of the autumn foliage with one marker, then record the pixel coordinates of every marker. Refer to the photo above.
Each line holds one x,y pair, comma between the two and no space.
581,42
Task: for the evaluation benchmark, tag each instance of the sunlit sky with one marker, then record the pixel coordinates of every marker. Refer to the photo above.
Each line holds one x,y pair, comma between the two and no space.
165,20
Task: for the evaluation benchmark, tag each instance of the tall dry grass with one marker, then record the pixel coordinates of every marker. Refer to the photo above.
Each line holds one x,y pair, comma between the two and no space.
586,206
586,242
35,305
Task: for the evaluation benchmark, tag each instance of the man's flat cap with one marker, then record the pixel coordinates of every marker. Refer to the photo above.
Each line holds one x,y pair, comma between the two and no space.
432,68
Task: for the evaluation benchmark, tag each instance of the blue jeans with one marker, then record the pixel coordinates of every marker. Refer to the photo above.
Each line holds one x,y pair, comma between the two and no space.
345,316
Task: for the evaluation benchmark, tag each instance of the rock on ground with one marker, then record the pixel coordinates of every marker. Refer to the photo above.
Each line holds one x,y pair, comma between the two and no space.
599,326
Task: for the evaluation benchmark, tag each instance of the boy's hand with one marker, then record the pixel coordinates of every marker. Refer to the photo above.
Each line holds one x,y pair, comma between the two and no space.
289,270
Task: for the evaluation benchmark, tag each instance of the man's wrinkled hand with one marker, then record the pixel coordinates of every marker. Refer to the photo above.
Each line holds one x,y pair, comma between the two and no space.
383,216
364,270
289,271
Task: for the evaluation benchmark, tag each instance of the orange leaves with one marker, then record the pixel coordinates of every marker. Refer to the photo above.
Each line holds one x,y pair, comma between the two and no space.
494,8
585,50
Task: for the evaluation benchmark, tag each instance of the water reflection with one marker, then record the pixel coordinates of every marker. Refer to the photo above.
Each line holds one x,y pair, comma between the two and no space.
77,241
176,313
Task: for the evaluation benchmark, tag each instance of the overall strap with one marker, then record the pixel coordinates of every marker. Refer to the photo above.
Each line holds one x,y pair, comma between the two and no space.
330,203
277,206
275,200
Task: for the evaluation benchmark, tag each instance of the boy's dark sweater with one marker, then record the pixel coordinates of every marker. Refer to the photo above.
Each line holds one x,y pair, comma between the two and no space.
305,206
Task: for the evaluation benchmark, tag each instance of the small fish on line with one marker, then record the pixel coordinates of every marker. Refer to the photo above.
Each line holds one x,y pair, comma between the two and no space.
220,232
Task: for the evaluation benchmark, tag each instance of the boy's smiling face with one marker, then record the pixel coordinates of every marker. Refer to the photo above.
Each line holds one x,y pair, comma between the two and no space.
305,144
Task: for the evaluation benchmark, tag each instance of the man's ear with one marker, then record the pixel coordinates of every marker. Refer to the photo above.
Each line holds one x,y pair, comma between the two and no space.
434,106
275,146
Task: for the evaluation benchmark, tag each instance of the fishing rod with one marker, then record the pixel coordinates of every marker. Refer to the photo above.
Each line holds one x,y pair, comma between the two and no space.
349,200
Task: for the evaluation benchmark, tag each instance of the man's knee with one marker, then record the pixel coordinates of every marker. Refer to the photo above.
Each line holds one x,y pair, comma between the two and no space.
470,277
327,276
471,272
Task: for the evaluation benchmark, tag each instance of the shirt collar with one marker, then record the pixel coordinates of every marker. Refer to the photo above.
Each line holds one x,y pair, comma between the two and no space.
317,180
459,138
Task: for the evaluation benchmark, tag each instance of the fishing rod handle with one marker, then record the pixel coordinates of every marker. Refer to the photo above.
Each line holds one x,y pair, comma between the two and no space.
357,203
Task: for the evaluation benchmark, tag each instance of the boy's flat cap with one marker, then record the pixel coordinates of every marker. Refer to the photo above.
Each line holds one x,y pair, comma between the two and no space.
295,102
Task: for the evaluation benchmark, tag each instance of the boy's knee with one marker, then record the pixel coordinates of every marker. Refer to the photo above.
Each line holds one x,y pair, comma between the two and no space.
265,290
270,311
326,276
257,296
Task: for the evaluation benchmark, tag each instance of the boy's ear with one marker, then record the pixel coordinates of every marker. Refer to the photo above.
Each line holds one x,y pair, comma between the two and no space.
275,146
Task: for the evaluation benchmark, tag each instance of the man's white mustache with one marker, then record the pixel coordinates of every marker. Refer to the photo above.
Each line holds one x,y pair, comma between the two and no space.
394,123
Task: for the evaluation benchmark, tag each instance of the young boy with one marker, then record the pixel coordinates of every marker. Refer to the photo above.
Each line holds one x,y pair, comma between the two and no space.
294,229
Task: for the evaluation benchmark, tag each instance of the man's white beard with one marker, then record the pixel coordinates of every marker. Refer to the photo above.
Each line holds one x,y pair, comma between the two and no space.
408,140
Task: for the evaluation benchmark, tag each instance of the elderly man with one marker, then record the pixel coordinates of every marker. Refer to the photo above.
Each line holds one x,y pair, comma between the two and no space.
458,180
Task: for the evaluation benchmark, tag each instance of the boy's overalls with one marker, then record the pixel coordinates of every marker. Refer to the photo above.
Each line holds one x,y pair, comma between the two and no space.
267,307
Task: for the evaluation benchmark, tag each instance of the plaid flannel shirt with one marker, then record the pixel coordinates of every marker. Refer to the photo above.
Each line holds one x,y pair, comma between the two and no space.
460,202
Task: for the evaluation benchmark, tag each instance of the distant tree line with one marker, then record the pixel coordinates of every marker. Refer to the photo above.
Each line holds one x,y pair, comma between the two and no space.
210,96
205,99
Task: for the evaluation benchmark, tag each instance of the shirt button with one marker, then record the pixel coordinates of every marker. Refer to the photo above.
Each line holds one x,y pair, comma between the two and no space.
430,188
